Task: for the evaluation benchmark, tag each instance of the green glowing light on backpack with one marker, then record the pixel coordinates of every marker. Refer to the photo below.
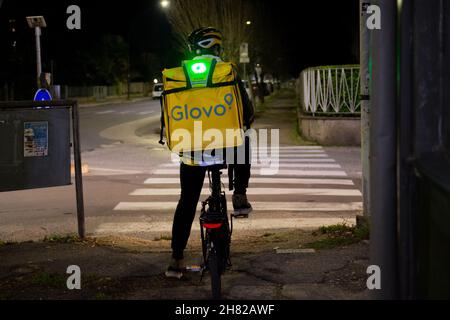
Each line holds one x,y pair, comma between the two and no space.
199,68
198,72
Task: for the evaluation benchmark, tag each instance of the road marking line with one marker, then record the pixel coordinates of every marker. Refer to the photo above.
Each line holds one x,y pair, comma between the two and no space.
290,148
287,151
145,113
125,112
287,158
313,160
257,161
259,191
272,172
242,225
289,155
117,171
280,165
291,160
256,180
257,206
105,112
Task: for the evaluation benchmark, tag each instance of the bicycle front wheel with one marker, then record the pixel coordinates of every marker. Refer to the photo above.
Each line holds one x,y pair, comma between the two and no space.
214,269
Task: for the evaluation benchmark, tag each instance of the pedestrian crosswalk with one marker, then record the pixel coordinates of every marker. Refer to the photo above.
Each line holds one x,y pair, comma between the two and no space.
257,206
298,173
303,179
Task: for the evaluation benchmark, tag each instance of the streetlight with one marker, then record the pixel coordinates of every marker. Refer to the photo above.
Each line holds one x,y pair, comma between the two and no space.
36,23
165,3
248,22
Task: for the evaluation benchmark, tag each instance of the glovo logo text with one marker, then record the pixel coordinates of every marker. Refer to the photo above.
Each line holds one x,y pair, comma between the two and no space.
185,113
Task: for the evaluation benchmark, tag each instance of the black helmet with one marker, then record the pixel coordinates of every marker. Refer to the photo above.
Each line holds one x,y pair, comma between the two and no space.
205,40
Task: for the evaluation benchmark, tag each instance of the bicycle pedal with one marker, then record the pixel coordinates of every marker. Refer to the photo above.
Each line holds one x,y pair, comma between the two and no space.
194,268
173,274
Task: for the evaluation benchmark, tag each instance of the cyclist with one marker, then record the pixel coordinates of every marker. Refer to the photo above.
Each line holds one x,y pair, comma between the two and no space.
206,43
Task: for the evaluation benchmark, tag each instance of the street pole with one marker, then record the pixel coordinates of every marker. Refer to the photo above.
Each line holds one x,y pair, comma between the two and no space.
37,31
383,152
250,86
365,110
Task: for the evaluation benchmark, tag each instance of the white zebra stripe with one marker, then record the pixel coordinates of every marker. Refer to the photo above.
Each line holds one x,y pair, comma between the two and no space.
257,206
260,161
286,158
242,224
281,165
291,160
290,155
342,182
289,148
259,191
271,172
294,152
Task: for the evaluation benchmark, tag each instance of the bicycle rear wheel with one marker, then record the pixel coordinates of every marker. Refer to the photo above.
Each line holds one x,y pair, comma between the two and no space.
214,266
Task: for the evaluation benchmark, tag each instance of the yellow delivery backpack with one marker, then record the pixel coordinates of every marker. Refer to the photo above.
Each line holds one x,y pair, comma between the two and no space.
202,106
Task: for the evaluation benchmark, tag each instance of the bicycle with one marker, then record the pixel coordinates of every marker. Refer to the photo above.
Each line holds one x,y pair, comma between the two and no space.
216,230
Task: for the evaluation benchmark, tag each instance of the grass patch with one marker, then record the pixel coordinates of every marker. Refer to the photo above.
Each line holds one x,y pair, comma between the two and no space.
163,238
338,236
7,243
297,137
265,235
49,280
101,296
71,238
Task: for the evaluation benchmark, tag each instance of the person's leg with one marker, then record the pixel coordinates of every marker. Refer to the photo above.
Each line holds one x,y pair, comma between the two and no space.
191,179
242,173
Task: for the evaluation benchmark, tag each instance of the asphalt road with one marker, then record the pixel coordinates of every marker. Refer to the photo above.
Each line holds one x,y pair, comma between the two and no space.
95,119
132,186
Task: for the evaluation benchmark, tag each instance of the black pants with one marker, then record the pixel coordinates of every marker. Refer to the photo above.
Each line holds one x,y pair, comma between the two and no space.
192,179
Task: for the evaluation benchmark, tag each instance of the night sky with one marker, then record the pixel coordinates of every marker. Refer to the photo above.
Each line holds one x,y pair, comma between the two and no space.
301,33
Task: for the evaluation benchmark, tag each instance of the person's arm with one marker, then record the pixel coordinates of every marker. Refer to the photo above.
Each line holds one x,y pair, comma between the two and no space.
162,124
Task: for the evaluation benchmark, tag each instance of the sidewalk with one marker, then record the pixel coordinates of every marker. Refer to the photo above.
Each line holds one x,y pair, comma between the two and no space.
279,112
127,270
270,264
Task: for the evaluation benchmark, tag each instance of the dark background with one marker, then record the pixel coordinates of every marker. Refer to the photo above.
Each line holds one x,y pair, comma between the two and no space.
295,35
